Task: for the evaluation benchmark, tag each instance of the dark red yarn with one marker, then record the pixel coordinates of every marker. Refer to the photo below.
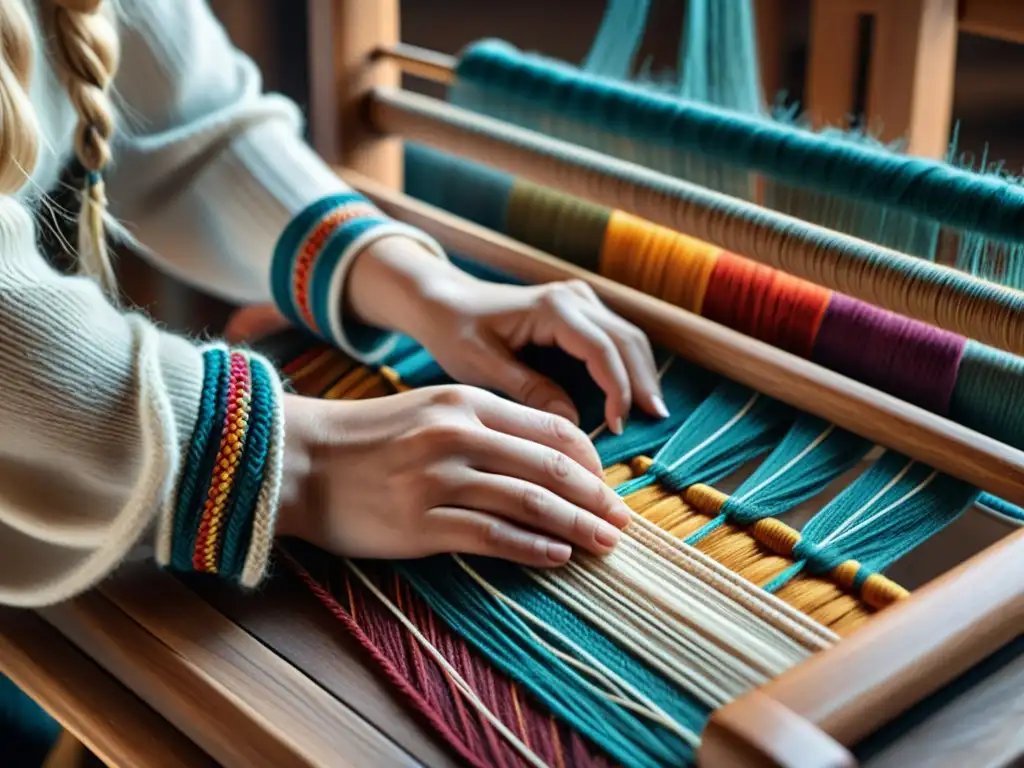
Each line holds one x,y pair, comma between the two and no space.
425,685
765,303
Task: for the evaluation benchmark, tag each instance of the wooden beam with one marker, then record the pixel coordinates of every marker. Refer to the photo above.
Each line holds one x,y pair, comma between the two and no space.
832,62
911,69
101,713
912,75
420,62
344,36
899,658
770,16
784,242
938,442
230,694
1000,19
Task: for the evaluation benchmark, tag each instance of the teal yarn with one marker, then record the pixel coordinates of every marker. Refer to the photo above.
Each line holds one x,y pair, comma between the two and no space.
928,189
404,346
505,639
860,254
618,39
731,427
879,518
323,270
251,473
988,392
420,370
718,59
27,732
896,221
200,457
718,65
286,250
671,699
812,455
1005,508
467,189
684,386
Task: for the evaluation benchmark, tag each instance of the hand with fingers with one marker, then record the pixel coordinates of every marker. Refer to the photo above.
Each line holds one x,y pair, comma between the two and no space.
475,333
446,469
457,469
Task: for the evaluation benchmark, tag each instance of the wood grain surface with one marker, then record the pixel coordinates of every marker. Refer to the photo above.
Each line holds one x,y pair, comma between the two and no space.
227,691
101,713
889,421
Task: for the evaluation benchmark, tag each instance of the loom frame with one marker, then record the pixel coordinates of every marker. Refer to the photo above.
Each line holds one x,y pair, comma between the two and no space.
901,656
792,721
661,199
150,670
911,67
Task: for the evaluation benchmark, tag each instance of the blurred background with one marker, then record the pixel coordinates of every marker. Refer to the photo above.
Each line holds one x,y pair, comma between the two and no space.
988,101
989,88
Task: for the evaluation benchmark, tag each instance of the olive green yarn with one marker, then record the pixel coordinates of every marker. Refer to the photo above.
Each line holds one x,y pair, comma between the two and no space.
557,223
988,393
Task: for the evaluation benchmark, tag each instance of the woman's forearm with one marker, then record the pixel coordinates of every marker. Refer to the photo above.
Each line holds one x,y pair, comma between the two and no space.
393,283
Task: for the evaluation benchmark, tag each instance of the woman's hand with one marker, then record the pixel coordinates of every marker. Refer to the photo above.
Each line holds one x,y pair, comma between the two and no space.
444,469
473,328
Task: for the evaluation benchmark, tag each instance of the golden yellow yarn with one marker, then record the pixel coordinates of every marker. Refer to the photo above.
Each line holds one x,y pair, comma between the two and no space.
631,241
758,553
762,552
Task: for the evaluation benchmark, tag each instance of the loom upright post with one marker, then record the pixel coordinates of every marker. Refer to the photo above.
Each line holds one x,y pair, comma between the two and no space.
911,69
345,35
769,16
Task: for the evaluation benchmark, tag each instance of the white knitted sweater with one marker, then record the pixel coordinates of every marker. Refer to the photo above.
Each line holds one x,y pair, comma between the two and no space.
96,405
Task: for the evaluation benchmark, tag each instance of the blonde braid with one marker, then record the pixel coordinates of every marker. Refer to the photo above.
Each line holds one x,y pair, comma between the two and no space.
86,53
19,132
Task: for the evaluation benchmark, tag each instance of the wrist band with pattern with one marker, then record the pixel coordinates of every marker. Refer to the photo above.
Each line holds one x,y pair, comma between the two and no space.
312,259
221,519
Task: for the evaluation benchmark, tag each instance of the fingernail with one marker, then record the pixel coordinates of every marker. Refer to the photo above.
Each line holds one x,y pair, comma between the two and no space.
615,425
559,553
659,407
607,536
619,514
563,409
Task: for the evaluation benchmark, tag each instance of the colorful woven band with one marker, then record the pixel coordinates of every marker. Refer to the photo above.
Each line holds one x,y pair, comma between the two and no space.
312,259
229,468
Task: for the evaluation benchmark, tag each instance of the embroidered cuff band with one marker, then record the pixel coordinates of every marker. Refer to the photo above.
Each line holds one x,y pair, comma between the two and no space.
221,519
311,262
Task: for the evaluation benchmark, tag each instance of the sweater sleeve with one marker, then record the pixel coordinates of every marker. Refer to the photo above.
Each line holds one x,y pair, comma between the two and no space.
97,410
210,171
112,431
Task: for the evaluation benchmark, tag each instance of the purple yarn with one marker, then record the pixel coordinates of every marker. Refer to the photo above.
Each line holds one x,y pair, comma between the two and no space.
906,358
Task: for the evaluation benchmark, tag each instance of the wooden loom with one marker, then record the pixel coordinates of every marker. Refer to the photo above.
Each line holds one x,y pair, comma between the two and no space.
150,671
912,63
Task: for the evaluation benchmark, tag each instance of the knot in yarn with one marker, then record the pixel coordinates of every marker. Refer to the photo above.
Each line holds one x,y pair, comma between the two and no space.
819,560
659,471
741,512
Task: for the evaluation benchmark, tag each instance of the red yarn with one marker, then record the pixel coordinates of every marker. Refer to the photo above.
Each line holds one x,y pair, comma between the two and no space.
765,303
425,685
387,667
303,360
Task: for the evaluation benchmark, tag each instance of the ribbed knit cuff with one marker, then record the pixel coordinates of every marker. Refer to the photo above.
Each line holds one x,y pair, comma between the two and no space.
220,520
311,262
